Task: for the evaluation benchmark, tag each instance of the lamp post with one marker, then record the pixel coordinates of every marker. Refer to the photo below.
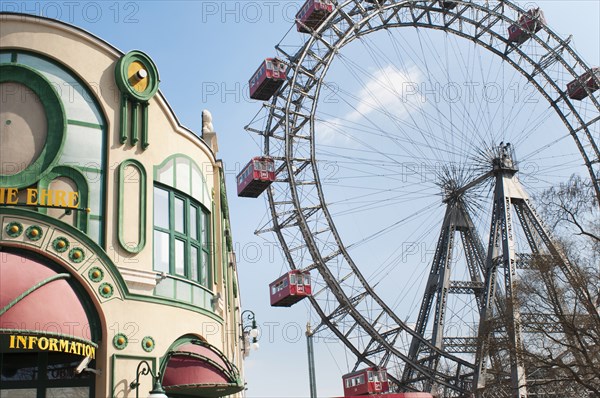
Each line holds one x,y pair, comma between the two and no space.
311,361
249,330
143,369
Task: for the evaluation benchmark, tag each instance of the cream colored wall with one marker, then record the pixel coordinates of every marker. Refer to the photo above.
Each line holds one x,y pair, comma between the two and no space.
93,61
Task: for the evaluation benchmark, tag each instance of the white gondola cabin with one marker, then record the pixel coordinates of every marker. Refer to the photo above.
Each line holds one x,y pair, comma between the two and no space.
267,79
290,288
258,174
529,23
576,88
312,14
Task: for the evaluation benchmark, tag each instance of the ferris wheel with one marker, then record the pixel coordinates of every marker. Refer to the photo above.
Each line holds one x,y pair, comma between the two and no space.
404,141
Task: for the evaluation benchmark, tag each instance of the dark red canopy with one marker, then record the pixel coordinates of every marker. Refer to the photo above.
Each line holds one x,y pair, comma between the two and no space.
199,369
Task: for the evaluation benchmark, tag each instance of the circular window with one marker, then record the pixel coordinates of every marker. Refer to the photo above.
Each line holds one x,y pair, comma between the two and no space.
32,126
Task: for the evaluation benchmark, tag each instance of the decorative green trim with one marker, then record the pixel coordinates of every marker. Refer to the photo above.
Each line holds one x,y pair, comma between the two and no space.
148,344
96,274
55,119
135,106
81,217
14,229
123,113
88,169
107,262
145,142
128,91
141,208
84,124
122,77
106,290
213,244
13,58
33,289
78,235
176,304
60,244
77,255
120,341
34,233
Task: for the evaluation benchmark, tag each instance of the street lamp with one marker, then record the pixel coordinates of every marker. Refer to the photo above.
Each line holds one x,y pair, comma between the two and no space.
143,369
249,330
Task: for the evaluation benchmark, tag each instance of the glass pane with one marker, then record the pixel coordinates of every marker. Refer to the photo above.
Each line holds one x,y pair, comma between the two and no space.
77,101
82,146
194,223
184,291
179,257
68,392
5,58
161,251
95,191
26,393
204,269
205,229
165,175
19,367
179,215
194,264
165,288
182,176
161,208
199,297
196,183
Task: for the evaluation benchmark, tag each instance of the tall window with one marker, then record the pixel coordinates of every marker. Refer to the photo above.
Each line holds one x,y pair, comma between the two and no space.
181,236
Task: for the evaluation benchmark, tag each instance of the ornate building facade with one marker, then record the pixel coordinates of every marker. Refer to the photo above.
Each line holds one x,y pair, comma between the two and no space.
115,249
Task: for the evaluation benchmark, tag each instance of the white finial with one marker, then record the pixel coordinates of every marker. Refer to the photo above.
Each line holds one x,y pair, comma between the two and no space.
207,126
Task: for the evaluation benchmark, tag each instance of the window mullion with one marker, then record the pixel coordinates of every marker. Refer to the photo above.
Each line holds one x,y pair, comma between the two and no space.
172,254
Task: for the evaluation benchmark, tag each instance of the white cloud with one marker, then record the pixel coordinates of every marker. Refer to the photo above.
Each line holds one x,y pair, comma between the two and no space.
381,97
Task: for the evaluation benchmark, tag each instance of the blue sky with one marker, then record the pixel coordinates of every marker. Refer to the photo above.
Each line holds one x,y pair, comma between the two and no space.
205,52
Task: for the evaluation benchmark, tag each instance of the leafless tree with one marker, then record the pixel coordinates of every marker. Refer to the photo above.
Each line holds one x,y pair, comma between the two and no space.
559,299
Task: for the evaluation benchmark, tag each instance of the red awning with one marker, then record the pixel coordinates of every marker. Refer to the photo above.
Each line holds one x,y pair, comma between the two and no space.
35,298
199,369
39,311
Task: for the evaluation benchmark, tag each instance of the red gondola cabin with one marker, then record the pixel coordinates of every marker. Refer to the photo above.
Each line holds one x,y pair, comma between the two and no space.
312,14
576,90
290,288
529,23
267,79
366,382
256,177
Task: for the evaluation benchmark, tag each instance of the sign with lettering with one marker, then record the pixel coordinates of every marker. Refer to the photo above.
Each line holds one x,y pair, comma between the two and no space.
40,197
25,342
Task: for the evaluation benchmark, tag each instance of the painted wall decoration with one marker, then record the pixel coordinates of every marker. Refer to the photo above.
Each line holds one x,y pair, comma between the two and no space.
137,78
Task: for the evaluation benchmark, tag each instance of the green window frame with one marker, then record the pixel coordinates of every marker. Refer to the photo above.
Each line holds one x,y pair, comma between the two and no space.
181,236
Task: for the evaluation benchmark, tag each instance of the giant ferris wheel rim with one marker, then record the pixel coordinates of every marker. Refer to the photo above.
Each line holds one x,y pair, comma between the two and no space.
499,10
